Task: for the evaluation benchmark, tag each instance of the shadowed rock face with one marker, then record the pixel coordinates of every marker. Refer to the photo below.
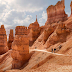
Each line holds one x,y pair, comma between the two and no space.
47,33
34,35
56,13
3,40
11,38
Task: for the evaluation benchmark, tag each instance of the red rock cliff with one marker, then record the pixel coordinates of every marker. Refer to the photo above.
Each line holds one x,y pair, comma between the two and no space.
56,13
59,35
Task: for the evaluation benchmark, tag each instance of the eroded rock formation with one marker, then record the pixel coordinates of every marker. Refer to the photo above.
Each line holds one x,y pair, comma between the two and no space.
34,25
3,40
11,38
20,50
59,35
56,13
21,30
47,33
34,32
34,35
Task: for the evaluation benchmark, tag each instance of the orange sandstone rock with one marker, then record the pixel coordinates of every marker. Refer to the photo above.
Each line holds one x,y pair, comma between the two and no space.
59,35
20,47
20,51
34,25
56,13
34,35
21,30
47,33
34,32
11,38
3,40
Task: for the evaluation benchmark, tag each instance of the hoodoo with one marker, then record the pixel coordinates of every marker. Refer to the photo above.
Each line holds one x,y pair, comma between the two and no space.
3,40
34,25
20,50
11,38
34,31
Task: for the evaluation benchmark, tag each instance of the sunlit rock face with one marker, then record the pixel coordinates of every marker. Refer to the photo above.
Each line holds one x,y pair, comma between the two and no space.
34,32
56,13
11,38
59,35
3,40
20,51
34,25
21,30
20,48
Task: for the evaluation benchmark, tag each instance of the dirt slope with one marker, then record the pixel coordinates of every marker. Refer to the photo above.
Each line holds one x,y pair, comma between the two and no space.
43,61
5,61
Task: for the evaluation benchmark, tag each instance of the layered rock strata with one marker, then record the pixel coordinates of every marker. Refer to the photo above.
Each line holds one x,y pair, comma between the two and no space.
20,51
47,33
59,35
21,30
3,40
20,47
34,25
34,35
34,32
11,38
56,13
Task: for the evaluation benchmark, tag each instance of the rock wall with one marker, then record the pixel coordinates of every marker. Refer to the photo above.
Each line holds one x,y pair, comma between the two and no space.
20,51
47,33
56,13
11,38
3,40
21,30
59,35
